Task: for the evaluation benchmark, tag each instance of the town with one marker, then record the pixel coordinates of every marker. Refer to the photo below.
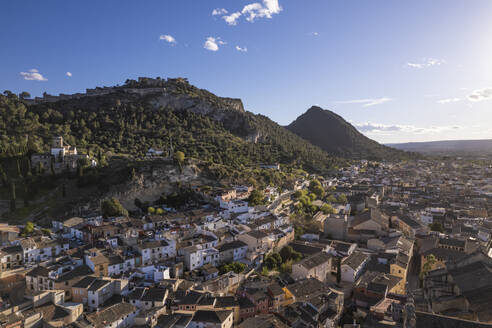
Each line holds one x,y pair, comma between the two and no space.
378,244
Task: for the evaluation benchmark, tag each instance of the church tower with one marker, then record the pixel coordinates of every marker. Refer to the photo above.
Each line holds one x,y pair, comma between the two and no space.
57,142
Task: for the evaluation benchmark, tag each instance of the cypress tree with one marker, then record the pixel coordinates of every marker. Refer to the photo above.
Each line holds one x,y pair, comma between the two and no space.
12,197
26,194
19,172
40,168
80,171
52,168
3,177
29,168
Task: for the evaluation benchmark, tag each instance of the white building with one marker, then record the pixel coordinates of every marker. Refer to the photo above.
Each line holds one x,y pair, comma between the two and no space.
353,266
232,252
197,256
156,250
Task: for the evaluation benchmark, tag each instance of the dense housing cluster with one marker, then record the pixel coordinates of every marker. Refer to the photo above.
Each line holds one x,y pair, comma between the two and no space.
376,244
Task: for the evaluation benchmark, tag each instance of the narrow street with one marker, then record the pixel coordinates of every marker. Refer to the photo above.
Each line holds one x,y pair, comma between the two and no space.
413,273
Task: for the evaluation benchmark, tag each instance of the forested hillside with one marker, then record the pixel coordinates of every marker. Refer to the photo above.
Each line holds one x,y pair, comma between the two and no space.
115,124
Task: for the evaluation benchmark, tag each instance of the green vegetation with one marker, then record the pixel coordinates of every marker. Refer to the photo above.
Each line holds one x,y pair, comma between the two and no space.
46,231
316,188
112,207
179,156
237,267
28,229
304,202
12,197
101,128
121,127
183,196
339,269
298,231
283,260
342,199
436,226
288,253
429,261
256,198
327,209
332,133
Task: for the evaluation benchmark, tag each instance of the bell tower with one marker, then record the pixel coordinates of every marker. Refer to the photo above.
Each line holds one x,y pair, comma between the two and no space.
57,142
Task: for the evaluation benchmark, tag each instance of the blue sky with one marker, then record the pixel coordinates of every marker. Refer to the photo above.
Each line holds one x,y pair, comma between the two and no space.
398,70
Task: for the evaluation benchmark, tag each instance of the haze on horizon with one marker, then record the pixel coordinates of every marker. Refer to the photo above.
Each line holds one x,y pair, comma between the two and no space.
400,71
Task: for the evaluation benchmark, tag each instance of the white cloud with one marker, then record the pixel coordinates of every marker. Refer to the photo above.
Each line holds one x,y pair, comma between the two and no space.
33,75
238,48
258,10
168,38
427,62
252,11
232,18
69,74
366,102
219,11
480,94
315,33
448,100
388,129
212,43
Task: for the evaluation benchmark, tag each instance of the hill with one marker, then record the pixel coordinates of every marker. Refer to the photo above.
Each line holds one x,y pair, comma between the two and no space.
470,147
130,119
338,137
223,144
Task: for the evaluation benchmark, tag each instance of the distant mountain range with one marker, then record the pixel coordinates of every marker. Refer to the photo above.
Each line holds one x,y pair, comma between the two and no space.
473,147
330,132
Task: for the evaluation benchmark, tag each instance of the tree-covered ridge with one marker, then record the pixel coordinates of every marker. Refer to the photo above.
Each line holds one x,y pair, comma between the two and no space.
118,123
